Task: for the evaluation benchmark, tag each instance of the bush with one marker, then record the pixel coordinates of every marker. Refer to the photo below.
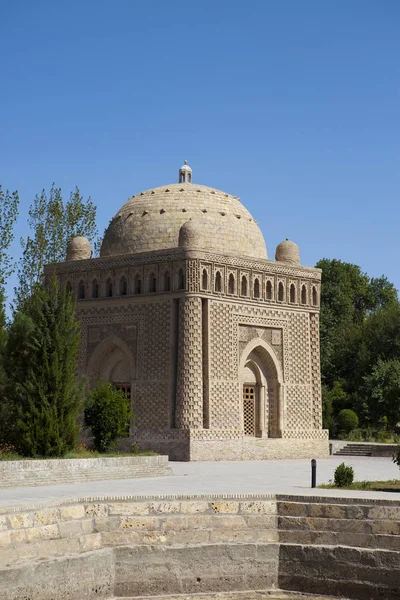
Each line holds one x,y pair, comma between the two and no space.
343,476
354,436
347,420
107,414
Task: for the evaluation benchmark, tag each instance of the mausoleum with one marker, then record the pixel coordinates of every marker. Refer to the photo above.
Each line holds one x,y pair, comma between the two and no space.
216,345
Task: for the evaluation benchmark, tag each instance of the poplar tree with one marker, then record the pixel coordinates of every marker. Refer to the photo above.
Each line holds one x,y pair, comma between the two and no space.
43,392
53,222
9,202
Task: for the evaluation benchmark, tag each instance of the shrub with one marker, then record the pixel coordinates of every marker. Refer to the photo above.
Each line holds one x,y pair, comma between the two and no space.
356,435
343,476
347,420
107,414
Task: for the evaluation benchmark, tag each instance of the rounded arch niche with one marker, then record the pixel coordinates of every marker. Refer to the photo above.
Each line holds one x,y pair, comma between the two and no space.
261,384
112,361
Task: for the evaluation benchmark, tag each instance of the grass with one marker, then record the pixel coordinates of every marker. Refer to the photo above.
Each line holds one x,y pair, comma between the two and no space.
392,485
9,453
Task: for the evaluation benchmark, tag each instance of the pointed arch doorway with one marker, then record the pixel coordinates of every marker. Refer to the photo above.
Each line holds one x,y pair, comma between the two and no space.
113,361
261,388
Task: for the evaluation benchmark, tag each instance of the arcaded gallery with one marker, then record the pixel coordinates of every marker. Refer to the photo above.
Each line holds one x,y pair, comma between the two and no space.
216,345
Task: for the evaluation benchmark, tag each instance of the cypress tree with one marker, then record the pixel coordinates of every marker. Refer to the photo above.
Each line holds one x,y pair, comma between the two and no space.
43,389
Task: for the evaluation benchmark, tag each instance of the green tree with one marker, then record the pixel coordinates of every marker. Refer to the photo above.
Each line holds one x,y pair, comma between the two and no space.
347,420
9,202
42,391
360,323
382,392
53,222
107,414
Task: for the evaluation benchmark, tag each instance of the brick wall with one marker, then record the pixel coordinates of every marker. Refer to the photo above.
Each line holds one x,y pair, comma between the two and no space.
50,472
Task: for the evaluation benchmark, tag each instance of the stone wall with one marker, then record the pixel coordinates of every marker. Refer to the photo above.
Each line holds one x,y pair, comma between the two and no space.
149,546
50,472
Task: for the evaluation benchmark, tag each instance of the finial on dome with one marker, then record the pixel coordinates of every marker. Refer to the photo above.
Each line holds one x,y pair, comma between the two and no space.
185,173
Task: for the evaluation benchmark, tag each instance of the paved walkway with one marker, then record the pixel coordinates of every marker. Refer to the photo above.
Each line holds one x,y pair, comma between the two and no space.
252,477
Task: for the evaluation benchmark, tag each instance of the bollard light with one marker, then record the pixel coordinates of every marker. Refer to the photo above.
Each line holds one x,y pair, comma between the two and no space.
313,473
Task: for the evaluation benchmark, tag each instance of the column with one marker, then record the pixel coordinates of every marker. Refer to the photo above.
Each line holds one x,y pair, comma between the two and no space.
189,394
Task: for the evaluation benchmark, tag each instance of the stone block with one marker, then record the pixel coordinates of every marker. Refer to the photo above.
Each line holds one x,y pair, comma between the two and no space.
101,524
33,534
49,532
164,507
128,508
292,509
91,542
47,516
327,511
96,510
385,527
70,529
18,536
5,538
18,520
140,523
261,521
68,513
195,507
225,507
255,507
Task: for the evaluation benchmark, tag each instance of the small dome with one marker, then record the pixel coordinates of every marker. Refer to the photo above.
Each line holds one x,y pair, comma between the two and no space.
185,167
79,248
288,252
190,235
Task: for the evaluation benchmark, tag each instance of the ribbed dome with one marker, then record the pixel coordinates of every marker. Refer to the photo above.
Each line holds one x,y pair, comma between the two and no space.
152,220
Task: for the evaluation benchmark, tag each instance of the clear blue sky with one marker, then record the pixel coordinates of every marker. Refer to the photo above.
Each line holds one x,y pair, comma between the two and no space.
291,105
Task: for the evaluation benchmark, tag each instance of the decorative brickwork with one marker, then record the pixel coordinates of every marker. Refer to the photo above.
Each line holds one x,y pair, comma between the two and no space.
191,314
315,371
190,367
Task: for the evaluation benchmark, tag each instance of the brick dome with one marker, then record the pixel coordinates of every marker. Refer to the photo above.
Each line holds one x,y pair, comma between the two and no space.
79,248
151,221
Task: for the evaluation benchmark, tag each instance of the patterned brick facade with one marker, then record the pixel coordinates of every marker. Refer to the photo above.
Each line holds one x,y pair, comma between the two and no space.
186,330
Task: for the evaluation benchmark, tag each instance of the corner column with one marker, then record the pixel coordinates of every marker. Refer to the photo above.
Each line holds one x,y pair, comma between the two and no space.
189,394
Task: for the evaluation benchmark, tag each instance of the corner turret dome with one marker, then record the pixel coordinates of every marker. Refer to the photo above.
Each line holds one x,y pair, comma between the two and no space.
288,252
79,248
152,221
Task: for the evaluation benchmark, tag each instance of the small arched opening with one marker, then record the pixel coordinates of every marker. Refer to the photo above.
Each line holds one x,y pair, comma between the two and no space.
181,280
204,280
81,291
256,290
303,294
281,292
109,288
218,282
152,283
314,296
292,293
231,284
137,284
95,288
268,290
123,286
167,281
243,287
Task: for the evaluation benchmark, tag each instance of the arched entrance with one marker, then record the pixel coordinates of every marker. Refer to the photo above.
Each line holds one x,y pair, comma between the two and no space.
261,387
112,361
